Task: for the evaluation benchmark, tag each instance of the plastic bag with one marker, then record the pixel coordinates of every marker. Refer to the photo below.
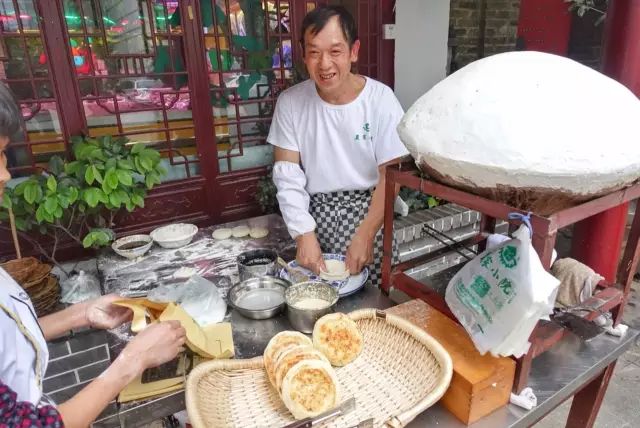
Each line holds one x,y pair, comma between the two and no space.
199,297
500,295
496,239
80,287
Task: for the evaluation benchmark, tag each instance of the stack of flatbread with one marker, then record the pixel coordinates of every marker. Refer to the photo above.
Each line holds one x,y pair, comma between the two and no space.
301,369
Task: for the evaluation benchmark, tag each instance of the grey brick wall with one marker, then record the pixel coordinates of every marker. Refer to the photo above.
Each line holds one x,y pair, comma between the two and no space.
585,42
74,361
501,25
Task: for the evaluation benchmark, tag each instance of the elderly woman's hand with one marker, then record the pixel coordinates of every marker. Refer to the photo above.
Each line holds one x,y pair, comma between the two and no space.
102,313
155,345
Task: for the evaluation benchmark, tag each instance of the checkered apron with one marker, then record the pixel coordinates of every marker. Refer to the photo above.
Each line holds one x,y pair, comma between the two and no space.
337,216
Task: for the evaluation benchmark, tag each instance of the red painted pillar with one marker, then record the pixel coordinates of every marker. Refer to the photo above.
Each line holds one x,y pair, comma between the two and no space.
597,240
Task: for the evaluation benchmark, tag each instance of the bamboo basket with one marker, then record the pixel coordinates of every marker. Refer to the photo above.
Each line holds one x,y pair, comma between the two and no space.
37,276
21,269
47,297
400,373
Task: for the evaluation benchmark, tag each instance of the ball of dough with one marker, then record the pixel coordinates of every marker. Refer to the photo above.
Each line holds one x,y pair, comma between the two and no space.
258,232
240,231
336,270
220,234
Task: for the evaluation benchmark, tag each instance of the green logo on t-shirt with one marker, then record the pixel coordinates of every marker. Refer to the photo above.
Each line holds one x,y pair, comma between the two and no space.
366,135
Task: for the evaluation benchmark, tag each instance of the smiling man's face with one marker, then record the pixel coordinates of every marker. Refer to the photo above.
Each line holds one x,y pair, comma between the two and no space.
328,58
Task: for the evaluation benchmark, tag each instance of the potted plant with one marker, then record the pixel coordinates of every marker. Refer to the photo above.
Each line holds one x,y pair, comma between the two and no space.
77,200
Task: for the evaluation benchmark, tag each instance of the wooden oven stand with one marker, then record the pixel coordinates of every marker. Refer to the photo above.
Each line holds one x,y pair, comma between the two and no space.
607,297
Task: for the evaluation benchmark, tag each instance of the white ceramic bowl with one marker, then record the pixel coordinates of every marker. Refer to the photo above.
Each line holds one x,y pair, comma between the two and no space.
120,246
174,235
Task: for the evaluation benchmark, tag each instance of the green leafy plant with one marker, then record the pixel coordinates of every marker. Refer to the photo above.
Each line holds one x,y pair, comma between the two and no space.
79,199
417,200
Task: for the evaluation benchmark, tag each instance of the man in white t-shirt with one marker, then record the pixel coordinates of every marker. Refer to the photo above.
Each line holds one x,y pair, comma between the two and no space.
333,134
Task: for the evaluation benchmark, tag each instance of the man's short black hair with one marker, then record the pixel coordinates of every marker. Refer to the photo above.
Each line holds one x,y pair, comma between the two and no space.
10,116
316,20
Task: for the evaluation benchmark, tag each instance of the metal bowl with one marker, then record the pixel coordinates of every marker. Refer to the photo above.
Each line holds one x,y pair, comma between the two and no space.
257,263
304,319
259,298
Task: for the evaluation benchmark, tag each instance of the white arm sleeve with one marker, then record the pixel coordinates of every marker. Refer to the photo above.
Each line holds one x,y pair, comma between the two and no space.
293,197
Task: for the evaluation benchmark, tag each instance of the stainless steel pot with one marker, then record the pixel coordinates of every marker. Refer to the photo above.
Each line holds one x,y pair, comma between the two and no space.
259,298
304,319
257,263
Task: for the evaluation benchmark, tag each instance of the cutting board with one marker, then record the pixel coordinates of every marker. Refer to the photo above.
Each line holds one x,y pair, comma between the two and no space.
480,383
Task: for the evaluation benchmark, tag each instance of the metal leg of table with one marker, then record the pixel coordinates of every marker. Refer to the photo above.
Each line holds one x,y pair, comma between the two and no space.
586,403
523,367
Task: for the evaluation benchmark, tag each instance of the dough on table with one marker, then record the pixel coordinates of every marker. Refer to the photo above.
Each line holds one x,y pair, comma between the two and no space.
240,231
337,336
221,234
185,272
336,270
258,232
310,388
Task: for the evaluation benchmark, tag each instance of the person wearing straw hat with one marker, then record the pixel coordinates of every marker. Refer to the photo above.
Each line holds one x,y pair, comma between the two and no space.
23,348
333,134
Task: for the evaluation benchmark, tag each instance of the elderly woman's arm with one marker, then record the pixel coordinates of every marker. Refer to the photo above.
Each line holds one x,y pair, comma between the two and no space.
96,313
155,345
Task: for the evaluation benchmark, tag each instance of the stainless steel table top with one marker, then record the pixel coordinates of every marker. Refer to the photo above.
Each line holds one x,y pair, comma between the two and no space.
250,337
556,375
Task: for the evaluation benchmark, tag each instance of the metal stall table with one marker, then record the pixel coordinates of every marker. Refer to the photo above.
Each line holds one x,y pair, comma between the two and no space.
608,296
560,373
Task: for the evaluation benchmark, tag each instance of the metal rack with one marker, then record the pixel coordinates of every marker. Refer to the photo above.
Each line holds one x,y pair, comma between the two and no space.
607,297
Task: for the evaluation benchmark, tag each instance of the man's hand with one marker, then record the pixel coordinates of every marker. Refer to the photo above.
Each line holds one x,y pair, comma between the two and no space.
308,253
102,313
360,252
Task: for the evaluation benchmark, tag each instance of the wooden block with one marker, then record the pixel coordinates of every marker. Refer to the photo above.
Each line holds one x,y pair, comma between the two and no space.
480,383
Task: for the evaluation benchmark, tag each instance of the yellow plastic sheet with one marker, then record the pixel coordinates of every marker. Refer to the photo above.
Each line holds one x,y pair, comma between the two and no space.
137,390
143,310
213,341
